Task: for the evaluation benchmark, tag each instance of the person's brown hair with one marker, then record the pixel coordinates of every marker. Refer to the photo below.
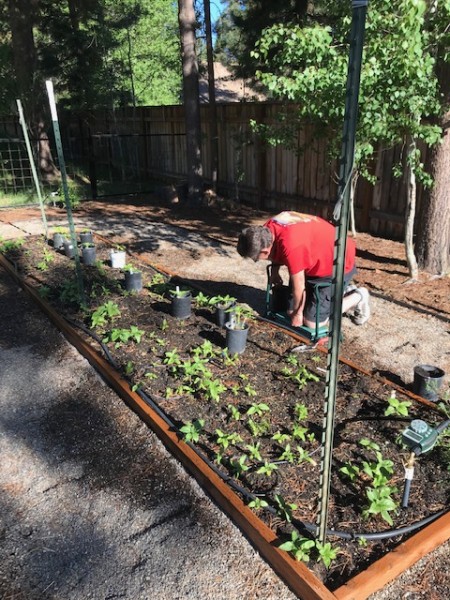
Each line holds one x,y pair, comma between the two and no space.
252,240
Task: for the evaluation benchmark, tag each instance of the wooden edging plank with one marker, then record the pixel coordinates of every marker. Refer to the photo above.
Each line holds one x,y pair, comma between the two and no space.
296,575
390,566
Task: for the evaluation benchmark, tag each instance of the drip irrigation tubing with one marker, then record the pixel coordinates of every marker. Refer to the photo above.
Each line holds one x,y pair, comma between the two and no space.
300,525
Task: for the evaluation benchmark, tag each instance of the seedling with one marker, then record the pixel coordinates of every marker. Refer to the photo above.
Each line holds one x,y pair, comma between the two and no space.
239,315
225,439
192,430
326,553
123,336
47,259
104,313
239,466
258,409
253,451
267,468
284,509
258,503
299,547
202,300
397,407
234,412
179,293
222,300
381,502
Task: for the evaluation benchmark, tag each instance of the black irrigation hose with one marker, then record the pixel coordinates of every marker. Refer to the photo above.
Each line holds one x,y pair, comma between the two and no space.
300,525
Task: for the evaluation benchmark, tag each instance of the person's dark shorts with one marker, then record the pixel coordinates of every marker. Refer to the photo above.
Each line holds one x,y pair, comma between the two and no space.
324,292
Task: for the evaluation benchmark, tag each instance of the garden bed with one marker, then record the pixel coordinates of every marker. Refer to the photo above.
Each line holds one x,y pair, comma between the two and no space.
257,417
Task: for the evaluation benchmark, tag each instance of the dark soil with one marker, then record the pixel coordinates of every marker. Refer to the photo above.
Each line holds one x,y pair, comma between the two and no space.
273,390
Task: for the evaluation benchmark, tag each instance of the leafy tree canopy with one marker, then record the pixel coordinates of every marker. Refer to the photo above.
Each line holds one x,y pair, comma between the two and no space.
399,88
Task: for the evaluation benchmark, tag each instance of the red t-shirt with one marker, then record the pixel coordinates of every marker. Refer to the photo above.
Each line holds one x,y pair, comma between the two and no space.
306,243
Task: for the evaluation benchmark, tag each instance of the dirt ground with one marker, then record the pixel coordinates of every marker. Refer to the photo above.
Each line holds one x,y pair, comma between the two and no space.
409,324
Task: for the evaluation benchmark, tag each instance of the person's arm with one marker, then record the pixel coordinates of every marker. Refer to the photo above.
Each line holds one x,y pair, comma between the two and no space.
298,298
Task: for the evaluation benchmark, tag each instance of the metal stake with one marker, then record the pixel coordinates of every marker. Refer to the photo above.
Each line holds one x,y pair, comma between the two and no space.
341,215
33,166
62,168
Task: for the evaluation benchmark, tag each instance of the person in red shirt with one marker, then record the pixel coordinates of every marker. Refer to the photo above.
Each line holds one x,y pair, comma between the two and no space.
305,245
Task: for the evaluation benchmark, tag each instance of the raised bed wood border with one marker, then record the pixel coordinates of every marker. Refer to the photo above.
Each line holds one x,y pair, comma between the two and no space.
295,574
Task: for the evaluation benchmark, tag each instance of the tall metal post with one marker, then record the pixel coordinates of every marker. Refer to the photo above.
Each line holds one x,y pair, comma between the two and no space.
62,168
37,184
341,214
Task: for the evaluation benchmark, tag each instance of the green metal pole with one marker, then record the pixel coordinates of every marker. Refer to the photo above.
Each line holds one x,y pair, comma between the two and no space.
341,214
62,168
33,166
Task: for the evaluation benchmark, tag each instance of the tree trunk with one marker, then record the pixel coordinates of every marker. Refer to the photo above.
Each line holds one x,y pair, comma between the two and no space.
214,145
410,210
433,244
30,88
187,22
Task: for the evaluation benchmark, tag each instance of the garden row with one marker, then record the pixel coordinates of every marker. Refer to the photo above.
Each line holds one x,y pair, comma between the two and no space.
255,413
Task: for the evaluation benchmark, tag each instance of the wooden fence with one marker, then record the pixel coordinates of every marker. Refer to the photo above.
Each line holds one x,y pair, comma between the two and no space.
150,142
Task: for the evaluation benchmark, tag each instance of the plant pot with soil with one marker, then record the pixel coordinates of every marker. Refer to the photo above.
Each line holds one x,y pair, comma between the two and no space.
237,329
59,237
86,237
133,279
223,306
181,303
88,253
69,248
427,381
118,257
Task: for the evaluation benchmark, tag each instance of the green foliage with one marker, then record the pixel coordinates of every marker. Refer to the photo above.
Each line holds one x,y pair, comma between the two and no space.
105,313
397,407
299,547
124,336
308,65
381,503
192,430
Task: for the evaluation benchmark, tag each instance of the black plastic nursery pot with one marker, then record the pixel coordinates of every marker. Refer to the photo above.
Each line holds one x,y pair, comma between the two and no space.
181,305
133,281
58,241
223,313
69,249
427,381
236,339
89,255
86,237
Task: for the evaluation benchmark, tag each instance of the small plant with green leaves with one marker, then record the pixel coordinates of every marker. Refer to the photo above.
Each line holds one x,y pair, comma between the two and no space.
281,438
179,292
47,259
212,388
300,547
381,502
379,470
258,503
223,301
129,268
69,292
60,230
205,350
10,245
267,468
326,553
124,336
235,413
254,451
397,407
284,509
201,300
287,455
258,428
44,292
104,314
239,465
158,285
258,409
224,440
239,315
299,374
300,411
192,430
